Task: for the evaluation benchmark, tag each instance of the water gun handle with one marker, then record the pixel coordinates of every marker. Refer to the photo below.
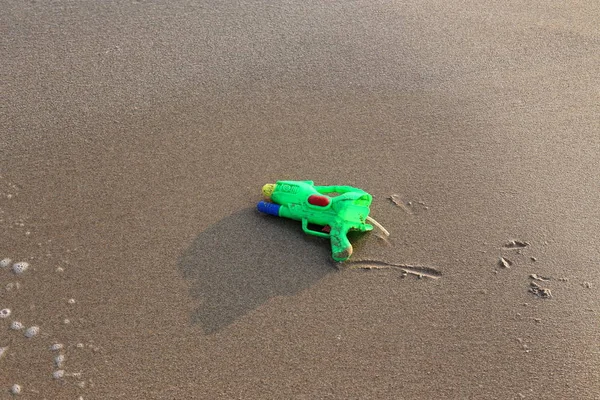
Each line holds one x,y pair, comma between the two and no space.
341,249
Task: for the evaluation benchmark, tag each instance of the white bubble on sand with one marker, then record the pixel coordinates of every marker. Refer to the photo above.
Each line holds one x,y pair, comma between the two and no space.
5,262
12,285
56,346
16,326
5,313
59,360
71,301
20,267
32,331
2,351
15,389
67,321
58,374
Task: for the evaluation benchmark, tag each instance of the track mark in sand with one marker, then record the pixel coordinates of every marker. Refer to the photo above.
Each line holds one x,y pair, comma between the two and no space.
537,277
399,203
539,291
420,271
409,207
505,262
515,244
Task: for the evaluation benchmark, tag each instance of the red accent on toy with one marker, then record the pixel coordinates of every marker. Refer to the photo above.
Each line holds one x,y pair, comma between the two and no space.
326,229
318,200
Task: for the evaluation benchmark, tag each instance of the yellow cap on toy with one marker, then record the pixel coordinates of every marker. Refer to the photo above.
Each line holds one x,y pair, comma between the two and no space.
267,190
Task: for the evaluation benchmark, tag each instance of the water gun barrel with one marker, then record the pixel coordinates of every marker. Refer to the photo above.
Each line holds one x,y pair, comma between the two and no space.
268,208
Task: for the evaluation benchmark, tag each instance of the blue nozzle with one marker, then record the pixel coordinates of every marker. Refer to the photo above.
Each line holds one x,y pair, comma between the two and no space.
268,208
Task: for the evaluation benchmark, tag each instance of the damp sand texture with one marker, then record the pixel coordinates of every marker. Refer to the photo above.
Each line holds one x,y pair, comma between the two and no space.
135,138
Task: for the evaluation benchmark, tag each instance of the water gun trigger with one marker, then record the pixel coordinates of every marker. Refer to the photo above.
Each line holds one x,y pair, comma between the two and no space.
309,231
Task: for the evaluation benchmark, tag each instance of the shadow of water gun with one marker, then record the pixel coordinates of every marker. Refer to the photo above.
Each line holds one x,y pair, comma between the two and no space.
241,262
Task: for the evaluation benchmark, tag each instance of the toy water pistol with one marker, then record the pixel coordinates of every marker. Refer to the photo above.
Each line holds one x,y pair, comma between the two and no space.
310,204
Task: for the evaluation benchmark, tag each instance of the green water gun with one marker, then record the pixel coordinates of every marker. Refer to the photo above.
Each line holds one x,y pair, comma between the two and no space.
338,214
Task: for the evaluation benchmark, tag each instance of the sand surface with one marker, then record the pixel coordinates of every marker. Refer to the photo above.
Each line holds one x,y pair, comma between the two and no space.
134,140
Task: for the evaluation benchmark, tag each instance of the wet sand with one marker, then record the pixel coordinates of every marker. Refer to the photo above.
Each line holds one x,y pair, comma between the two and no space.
135,138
